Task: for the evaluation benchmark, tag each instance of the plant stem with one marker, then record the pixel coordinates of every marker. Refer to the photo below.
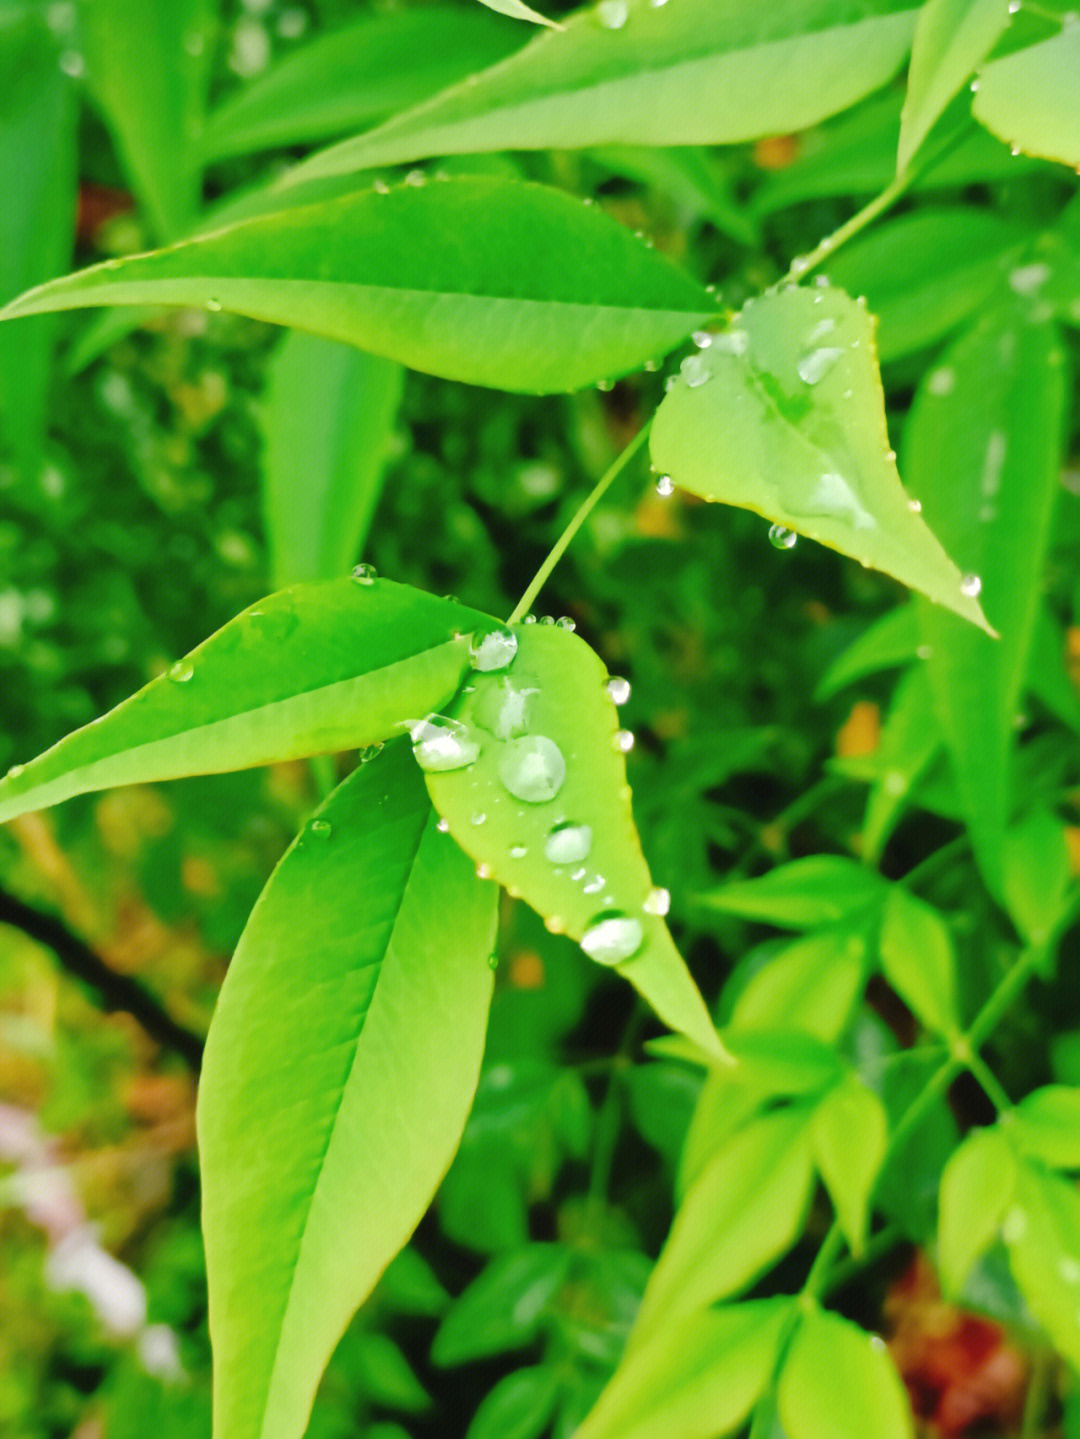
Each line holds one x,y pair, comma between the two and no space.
991,1085
803,264
562,544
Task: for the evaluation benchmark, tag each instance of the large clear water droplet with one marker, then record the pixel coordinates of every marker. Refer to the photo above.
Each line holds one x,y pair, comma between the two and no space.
695,370
494,650
658,902
568,843
612,937
665,486
781,538
365,574
181,672
533,768
618,689
503,709
612,14
971,585
816,364
440,743
624,741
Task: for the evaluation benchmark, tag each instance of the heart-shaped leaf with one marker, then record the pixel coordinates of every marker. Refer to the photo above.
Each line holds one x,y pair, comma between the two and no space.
784,414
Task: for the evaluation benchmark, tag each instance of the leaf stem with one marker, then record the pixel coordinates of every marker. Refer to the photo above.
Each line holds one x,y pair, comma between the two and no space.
562,544
803,264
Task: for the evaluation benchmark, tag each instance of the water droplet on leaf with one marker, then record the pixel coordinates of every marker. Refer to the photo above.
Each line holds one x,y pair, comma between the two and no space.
971,585
624,741
612,937
658,901
816,364
532,768
443,826
568,843
618,689
781,538
612,14
322,828
440,743
494,650
503,708
365,574
665,486
181,672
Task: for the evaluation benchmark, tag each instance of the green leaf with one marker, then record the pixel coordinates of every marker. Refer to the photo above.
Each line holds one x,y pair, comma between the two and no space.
330,413
744,1210
887,642
699,1378
517,11
691,176
781,1062
822,889
982,451
1042,1235
310,670
926,272
38,161
463,278
1030,98
839,1383
148,73
561,728
952,38
850,1132
1036,875
632,73
1046,1126
813,984
505,1307
339,1071
977,1188
519,1407
919,961
347,78
784,414
384,1375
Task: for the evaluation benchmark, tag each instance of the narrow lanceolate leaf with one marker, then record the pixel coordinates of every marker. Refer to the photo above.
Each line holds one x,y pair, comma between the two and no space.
629,72
532,784
784,414
329,421
839,1383
517,11
977,1188
952,38
982,453
147,66
310,670
469,278
1030,99
821,889
697,1379
339,1072
850,1133
344,79
38,160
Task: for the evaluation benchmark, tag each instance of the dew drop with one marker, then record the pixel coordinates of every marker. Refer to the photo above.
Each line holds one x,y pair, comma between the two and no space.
547,619
816,364
612,14
732,342
623,741
442,744
416,178
494,650
915,506
568,843
1014,6
365,574
1028,279
781,538
695,370
595,885
554,925
532,768
612,937
665,486
493,961
443,826
924,652
483,871
478,818
528,619
800,264
322,828
181,672
213,305
370,752
381,187
658,901
942,381
702,339
503,708
578,874
564,622
618,689
971,585
518,851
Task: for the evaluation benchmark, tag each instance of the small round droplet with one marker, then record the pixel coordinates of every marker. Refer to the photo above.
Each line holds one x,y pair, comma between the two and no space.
493,961
577,875
494,650
915,506
443,826
564,622
441,744
624,741
213,305
483,871
533,768
321,828
518,851
478,818
658,901
971,585
365,574
618,689
568,843
612,937
695,370
547,619
702,339
781,538
665,486
181,672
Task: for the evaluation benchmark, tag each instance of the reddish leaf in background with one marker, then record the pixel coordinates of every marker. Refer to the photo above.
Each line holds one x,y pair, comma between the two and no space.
960,1370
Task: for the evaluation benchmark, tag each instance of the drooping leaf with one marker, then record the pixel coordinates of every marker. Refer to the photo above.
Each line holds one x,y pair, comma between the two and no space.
839,1383
464,278
37,179
339,1071
919,961
504,1308
977,1188
698,1379
1030,98
329,421
784,414
850,1131
822,889
147,66
1042,1235
982,451
952,38
347,78
628,72
310,670
517,11
1046,1126
543,805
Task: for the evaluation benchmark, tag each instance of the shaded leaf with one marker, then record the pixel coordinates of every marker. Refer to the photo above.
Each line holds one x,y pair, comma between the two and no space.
919,960
784,414
519,1407
504,1308
409,273
977,1188
839,1383
339,1071
310,670
1031,99
822,889
887,642
1036,875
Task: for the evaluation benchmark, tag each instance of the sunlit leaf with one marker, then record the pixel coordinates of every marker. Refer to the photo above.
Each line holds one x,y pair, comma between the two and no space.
1046,1126
822,889
1030,99
919,960
517,11
976,1193
850,1131
1042,1234
838,1382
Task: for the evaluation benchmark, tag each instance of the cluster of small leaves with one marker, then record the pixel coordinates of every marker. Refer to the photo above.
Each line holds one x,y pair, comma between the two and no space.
346,1050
